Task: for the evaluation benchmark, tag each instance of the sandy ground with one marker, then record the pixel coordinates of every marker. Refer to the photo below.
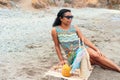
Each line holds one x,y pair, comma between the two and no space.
27,50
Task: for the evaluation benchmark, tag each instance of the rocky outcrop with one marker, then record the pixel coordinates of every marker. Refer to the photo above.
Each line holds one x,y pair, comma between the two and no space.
111,3
93,3
66,3
5,3
63,3
39,3
84,3
80,3
8,3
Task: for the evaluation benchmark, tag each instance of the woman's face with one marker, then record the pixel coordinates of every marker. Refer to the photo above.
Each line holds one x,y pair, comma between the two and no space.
67,18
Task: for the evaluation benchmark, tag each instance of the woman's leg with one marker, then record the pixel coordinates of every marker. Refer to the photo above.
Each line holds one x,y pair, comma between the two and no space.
93,62
102,60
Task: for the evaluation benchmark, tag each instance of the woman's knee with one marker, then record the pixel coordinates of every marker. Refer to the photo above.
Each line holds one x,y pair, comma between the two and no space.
93,54
96,56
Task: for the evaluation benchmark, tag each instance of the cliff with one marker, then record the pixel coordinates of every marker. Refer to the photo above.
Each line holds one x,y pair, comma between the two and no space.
37,4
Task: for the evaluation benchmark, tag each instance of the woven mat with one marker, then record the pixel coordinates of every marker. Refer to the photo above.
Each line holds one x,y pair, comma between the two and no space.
55,74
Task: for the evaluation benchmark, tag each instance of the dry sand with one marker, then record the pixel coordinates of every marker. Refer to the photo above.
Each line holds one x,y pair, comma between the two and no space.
27,50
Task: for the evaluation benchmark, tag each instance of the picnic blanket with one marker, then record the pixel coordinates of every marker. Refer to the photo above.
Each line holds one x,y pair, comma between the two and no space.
54,73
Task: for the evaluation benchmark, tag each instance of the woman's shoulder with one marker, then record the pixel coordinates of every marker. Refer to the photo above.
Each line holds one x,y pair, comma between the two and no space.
53,29
76,26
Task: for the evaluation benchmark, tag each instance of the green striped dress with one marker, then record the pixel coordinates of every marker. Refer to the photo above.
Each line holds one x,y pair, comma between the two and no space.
69,41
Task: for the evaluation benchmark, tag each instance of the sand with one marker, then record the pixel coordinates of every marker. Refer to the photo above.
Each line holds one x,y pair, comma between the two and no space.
27,50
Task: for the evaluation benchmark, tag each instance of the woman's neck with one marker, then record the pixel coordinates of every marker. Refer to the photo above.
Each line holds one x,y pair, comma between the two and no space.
65,26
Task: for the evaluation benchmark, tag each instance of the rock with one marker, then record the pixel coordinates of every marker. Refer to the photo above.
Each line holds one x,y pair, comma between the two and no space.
111,3
79,3
59,3
5,3
39,3
92,3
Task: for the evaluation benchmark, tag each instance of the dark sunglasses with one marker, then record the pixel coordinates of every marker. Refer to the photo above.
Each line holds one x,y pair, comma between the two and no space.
68,17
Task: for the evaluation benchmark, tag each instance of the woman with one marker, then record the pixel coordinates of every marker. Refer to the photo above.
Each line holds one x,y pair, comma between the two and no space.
66,35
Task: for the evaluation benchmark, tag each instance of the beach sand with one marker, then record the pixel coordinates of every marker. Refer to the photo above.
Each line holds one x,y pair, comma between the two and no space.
27,50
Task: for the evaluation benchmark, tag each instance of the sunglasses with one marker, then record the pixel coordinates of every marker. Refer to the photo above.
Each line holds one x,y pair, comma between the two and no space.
68,17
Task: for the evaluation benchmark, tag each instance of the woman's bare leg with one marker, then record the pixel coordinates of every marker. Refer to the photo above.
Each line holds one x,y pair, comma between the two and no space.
102,60
93,62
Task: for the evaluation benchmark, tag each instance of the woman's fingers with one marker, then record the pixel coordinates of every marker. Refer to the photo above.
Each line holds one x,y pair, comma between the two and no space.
99,52
62,62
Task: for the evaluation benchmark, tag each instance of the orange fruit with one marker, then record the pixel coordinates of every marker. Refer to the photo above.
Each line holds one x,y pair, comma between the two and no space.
66,70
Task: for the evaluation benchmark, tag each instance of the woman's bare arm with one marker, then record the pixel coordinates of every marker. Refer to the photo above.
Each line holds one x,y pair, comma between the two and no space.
57,46
86,41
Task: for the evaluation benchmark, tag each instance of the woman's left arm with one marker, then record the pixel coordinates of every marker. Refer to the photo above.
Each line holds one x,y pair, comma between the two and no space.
86,41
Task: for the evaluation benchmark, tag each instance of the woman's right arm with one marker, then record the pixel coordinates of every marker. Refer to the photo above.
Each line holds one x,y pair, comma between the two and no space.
57,46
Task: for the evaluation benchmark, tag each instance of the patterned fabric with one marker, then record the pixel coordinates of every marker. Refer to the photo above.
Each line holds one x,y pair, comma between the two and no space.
69,42
77,60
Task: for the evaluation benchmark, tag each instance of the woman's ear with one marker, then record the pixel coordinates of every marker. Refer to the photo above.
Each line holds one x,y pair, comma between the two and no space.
61,18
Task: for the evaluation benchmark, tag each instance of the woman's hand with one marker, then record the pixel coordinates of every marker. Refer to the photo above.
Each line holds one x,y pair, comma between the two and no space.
62,62
99,52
